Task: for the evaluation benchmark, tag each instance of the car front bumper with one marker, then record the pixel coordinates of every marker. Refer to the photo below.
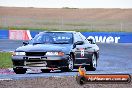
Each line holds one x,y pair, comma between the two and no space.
82,61
41,62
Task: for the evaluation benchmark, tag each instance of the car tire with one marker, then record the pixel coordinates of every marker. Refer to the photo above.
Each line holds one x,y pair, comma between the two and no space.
93,64
45,70
70,65
19,70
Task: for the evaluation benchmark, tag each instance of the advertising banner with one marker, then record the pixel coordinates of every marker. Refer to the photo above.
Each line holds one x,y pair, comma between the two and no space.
109,37
101,37
4,34
19,35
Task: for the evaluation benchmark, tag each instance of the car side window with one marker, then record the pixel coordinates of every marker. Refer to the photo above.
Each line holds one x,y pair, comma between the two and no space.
77,37
86,41
84,38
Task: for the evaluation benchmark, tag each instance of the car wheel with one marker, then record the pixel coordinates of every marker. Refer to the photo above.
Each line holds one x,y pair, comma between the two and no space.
45,70
70,65
19,70
93,64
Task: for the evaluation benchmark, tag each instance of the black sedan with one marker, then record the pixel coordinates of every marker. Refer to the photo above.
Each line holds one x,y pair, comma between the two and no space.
56,50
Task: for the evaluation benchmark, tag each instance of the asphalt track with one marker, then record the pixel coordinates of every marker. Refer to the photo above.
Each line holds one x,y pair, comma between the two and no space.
114,59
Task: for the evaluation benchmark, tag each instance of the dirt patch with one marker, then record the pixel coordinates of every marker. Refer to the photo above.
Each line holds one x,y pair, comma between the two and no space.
55,82
67,19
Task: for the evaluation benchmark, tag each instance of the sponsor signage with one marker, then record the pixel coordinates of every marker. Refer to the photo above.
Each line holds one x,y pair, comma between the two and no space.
4,34
84,78
101,37
109,37
19,35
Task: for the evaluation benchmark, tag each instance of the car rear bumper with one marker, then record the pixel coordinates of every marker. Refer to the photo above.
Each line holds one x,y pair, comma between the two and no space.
41,62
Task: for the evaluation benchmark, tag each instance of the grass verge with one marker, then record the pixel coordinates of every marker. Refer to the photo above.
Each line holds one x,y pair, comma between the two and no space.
47,29
5,60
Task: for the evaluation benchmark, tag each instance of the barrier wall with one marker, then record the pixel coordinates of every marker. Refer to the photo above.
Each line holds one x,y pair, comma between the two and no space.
109,37
4,34
19,35
103,37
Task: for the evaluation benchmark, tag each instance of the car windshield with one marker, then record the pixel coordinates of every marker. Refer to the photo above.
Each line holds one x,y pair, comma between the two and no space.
53,38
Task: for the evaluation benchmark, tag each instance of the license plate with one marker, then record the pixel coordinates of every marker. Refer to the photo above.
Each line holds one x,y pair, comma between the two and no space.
43,63
34,58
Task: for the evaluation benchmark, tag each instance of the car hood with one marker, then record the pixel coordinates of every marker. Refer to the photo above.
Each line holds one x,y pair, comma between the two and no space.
45,48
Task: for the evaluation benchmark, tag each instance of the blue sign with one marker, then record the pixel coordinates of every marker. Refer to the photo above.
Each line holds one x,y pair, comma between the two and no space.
4,34
33,33
109,37
103,37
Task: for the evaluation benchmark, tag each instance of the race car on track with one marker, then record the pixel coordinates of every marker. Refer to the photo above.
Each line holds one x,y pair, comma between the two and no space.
63,50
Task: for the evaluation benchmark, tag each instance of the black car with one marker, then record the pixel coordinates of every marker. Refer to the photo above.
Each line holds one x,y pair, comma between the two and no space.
56,50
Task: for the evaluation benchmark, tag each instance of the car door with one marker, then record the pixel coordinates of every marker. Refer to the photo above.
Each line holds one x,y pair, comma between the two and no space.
81,51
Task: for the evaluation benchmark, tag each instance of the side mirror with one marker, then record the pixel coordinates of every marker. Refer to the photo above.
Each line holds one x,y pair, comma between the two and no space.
78,43
25,43
91,41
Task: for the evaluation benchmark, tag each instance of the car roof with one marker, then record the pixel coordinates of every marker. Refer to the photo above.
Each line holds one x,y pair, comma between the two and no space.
60,31
63,31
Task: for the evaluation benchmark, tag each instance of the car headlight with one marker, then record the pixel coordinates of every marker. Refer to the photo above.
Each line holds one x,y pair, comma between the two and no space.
55,53
18,53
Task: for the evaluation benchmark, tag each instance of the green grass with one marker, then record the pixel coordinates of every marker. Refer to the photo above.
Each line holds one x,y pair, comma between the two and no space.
28,28
5,60
47,29
77,24
22,28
